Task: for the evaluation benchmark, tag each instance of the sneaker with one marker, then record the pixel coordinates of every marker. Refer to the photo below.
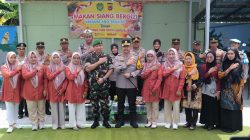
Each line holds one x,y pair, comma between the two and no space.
187,125
167,125
75,128
17,126
10,129
54,127
41,125
62,127
80,126
191,127
175,126
34,127
148,125
154,125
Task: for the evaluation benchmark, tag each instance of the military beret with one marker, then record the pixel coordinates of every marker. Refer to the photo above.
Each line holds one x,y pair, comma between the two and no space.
97,42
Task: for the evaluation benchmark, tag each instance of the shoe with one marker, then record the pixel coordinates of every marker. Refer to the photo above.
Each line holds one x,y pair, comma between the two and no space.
75,128
209,128
95,124
134,124
41,125
20,116
17,126
205,126
187,125
34,127
10,129
192,127
175,126
154,125
54,127
106,124
149,124
62,127
167,125
119,124
48,113
80,126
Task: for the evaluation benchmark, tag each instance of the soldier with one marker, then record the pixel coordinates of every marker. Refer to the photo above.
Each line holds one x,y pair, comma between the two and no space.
99,67
176,44
235,43
65,52
126,83
139,53
20,47
213,46
197,53
43,58
86,48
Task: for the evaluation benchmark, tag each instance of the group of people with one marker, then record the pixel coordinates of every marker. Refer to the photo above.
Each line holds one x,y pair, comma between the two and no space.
210,83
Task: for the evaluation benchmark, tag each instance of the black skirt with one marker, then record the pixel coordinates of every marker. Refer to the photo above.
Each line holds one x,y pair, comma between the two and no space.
231,120
209,111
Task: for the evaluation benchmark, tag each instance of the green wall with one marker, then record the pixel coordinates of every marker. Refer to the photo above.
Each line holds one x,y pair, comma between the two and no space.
48,22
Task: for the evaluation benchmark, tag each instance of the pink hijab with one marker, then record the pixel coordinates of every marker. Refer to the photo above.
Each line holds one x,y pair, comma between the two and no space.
58,80
148,65
172,63
73,68
31,67
11,67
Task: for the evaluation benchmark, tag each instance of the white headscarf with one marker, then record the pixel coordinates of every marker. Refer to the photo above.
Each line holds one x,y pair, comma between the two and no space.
31,67
176,61
148,65
73,68
58,80
11,67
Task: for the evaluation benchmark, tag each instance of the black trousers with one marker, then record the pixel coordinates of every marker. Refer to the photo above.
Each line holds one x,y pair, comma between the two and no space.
140,85
112,90
23,110
131,94
191,116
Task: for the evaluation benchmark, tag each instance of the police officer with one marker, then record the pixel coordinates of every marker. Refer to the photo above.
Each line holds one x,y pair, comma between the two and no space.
65,52
235,43
21,47
43,57
139,54
126,83
99,67
86,48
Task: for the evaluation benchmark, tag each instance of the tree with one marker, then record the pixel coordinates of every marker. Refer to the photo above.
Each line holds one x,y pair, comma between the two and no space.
8,14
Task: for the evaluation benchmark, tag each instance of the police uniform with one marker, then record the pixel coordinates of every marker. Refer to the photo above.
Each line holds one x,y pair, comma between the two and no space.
244,60
83,48
136,54
22,110
126,86
65,56
99,94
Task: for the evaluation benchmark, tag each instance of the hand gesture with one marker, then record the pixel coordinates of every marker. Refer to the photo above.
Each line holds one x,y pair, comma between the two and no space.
155,67
38,68
100,81
126,75
19,67
233,66
102,60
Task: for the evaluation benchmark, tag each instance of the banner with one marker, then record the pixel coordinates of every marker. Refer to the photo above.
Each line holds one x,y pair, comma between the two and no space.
106,19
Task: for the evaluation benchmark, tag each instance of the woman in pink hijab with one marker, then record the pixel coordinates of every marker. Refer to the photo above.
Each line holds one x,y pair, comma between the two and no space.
57,84
34,90
11,89
152,76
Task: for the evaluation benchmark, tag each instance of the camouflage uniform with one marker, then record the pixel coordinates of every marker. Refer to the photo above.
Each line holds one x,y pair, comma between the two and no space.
99,93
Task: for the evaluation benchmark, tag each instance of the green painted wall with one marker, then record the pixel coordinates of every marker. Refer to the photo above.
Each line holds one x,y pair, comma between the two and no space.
48,22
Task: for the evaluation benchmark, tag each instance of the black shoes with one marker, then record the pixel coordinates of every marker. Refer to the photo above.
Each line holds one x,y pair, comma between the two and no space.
106,124
95,124
134,124
187,125
119,124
